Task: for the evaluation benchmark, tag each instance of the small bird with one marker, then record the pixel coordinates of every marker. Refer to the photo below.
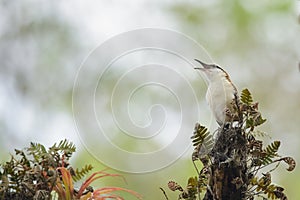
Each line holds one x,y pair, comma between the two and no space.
221,92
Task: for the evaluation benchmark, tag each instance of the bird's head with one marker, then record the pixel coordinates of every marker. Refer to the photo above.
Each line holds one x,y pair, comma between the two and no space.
212,72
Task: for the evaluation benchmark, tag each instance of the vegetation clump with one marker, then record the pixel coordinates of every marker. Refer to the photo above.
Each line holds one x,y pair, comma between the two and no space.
40,173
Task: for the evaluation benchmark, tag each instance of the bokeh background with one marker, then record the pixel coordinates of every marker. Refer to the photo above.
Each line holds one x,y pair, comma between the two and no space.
43,43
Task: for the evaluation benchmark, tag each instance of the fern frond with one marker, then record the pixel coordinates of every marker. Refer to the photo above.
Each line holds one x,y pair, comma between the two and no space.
172,185
258,120
291,162
192,187
200,133
203,142
272,148
37,150
269,190
265,186
64,146
80,173
258,133
24,161
269,153
254,119
246,97
288,160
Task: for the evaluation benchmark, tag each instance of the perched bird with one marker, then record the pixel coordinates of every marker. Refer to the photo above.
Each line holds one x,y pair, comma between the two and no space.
221,92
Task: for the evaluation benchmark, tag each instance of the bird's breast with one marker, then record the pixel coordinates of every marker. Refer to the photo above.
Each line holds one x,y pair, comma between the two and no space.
219,97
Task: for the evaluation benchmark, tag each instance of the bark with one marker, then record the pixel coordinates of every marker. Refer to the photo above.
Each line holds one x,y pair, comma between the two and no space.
227,174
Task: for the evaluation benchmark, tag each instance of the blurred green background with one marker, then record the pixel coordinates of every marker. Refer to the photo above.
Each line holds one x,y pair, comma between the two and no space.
43,43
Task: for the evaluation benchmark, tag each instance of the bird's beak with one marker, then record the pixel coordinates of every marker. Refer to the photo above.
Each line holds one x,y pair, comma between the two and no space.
205,66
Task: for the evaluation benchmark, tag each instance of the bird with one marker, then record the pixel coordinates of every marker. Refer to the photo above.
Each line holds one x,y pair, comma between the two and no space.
221,92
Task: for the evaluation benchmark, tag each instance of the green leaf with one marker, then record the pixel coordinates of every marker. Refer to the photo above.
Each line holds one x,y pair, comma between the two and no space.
200,133
80,173
246,97
269,153
64,146
272,148
192,181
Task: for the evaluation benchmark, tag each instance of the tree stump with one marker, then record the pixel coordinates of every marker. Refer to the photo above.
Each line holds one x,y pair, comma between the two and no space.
227,173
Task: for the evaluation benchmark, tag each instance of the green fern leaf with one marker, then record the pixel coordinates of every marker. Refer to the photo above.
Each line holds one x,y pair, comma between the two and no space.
80,173
259,120
246,97
200,133
202,141
255,120
37,150
64,146
272,148
192,187
265,186
269,153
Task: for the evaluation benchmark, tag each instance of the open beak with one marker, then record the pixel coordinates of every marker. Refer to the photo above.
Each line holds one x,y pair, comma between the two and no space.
205,66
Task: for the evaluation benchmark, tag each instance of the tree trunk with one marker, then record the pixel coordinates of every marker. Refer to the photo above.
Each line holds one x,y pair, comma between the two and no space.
227,174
